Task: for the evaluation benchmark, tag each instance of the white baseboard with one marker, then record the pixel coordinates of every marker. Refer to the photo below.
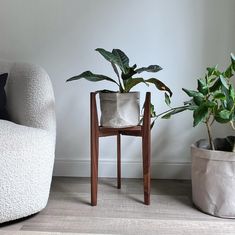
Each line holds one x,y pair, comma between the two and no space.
107,168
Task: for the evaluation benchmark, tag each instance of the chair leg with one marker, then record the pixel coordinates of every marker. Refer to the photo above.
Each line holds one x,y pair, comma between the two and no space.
146,169
118,161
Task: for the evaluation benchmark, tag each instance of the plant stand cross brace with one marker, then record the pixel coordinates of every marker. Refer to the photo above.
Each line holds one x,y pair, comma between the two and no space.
97,131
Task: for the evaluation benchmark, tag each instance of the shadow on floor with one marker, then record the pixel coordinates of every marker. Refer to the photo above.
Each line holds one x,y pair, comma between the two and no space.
14,222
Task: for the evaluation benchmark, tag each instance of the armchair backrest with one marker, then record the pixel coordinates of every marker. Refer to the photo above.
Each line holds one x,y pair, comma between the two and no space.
30,97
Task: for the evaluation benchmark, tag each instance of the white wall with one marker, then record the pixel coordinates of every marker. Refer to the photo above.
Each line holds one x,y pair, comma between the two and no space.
183,36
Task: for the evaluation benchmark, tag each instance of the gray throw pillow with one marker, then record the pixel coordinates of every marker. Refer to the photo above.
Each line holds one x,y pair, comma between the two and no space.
3,98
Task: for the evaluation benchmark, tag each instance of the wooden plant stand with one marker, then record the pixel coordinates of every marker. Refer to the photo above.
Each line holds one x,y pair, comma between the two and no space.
97,131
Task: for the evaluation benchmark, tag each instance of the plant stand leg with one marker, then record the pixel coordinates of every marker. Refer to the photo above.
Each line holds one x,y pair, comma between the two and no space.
118,161
146,168
94,142
94,169
146,148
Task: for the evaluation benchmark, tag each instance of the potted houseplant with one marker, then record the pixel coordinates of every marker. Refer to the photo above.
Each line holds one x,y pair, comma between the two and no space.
213,161
121,108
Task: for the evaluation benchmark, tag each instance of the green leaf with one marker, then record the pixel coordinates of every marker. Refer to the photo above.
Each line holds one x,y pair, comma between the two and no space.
232,57
219,96
216,86
229,102
191,104
213,71
202,86
223,116
232,92
129,72
121,59
152,111
209,104
131,82
199,114
166,116
233,116
233,61
159,85
192,107
117,57
228,72
198,100
88,75
167,99
198,97
192,93
223,81
107,55
150,68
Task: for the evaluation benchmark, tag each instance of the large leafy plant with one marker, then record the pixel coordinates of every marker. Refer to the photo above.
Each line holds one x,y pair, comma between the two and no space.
214,99
125,74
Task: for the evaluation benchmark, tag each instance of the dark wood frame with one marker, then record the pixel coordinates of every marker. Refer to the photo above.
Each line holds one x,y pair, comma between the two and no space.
97,131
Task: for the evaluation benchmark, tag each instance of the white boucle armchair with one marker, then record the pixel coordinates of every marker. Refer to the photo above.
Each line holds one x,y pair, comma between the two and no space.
27,142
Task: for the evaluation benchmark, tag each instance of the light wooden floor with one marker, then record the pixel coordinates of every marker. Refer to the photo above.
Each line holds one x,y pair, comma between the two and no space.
120,211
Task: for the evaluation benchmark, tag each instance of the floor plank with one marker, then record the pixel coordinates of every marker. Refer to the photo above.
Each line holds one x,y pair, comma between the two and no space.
120,211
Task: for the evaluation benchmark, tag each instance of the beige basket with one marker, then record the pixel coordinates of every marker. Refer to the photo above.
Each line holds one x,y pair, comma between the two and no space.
119,109
213,180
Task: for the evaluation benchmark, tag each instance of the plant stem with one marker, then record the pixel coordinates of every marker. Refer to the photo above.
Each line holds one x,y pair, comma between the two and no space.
120,85
232,125
212,147
121,88
212,121
160,114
